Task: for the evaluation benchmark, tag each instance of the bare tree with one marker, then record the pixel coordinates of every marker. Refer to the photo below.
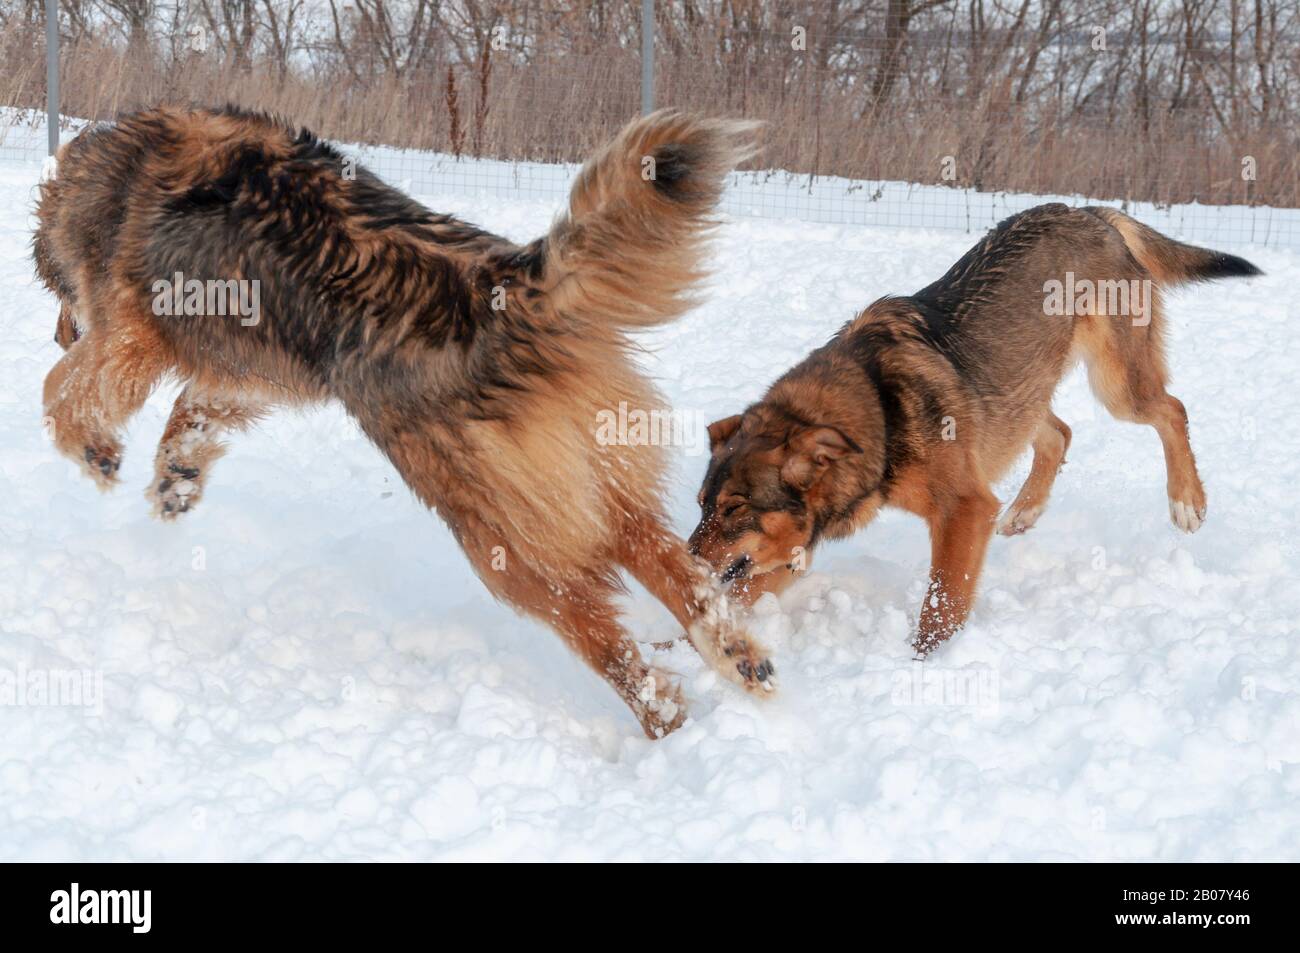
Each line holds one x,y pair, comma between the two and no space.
898,18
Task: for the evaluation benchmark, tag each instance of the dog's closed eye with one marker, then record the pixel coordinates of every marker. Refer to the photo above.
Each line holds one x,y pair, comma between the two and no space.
734,506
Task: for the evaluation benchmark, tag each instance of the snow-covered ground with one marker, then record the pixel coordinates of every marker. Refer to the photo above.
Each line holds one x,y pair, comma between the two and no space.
305,667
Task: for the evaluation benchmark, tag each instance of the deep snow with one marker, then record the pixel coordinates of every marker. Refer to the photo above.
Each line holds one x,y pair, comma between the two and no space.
304,666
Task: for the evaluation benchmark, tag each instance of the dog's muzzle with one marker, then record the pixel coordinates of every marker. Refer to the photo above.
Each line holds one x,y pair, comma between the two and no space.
737,569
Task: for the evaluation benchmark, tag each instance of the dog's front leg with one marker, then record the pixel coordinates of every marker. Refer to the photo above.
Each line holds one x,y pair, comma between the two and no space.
959,535
684,584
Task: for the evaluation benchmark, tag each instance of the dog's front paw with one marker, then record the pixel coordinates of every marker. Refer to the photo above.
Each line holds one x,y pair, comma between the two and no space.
727,647
922,646
756,671
101,461
736,655
931,632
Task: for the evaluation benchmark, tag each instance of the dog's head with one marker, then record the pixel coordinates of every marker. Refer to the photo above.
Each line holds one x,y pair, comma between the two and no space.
760,497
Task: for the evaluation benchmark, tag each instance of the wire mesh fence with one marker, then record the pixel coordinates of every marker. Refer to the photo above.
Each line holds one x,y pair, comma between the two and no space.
926,113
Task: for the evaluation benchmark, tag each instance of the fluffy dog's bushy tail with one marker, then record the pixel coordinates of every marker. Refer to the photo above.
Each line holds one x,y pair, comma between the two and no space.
629,250
1171,262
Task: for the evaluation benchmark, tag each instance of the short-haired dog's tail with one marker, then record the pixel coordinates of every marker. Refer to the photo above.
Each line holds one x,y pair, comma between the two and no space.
1171,262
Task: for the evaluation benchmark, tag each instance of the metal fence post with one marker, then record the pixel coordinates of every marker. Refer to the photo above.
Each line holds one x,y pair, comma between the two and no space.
52,74
647,56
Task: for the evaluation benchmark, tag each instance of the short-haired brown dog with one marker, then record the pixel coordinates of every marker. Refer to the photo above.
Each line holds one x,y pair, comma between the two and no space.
923,402
478,366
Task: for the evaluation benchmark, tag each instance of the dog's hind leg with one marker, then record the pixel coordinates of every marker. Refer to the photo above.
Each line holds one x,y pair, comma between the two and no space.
95,388
191,443
1051,442
1126,370
661,563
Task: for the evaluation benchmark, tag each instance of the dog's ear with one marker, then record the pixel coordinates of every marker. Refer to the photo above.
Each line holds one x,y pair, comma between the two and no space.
810,451
720,431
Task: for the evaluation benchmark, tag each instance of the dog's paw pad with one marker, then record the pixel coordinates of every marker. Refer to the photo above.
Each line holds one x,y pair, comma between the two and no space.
760,674
172,496
1187,516
102,463
755,670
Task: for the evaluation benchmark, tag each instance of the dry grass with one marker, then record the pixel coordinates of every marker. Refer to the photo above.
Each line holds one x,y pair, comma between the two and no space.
557,107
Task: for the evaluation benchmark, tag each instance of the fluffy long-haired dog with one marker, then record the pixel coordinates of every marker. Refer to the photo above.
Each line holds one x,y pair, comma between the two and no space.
478,366
922,402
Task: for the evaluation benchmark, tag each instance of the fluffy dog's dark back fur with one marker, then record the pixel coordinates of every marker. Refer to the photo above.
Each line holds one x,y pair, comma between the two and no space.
351,270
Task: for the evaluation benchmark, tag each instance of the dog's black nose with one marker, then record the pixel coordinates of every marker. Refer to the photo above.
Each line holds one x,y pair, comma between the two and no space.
736,569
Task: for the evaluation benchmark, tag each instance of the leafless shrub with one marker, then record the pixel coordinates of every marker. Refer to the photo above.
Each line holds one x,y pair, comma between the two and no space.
1160,100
